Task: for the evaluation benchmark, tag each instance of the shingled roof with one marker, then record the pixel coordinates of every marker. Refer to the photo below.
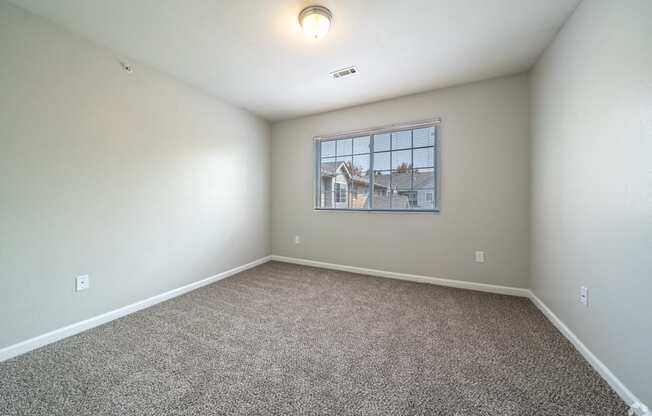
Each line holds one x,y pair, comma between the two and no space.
404,180
398,180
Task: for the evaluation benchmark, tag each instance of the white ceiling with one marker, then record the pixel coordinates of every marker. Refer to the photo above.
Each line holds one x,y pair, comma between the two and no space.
253,54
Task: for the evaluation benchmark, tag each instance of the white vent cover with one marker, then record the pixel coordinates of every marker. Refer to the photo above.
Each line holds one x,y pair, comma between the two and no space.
344,72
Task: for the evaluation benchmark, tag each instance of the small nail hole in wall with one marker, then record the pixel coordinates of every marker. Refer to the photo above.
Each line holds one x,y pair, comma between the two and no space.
127,67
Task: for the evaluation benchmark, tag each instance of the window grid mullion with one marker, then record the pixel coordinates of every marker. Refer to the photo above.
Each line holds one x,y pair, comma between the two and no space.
411,160
391,163
435,161
318,201
372,168
370,197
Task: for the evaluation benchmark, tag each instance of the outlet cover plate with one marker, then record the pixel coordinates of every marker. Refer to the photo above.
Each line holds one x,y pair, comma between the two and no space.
82,282
584,296
479,256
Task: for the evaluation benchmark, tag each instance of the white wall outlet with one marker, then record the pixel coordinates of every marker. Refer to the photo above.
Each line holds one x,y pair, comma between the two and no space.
479,256
297,239
584,296
83,282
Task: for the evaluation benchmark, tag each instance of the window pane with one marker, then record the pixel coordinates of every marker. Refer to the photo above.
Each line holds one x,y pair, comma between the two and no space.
381,142
381,161
401,199
361,145
401,179
424,158
335,184
424,199
344,147
381,181
424,137
424,178
327,169
359,194
412,199
401,159
382,201
401,140
328,148
360,164
345,159
381,194
340,192
403,175
326,197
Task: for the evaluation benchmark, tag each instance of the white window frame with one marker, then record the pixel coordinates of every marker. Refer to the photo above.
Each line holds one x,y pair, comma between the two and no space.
340,193
435,123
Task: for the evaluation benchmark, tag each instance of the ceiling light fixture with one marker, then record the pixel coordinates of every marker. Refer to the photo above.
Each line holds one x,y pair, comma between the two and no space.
315,21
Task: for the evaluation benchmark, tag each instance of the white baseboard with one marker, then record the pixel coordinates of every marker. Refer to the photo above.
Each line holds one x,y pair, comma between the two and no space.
624,393
599,366
628,397
483,287
58,334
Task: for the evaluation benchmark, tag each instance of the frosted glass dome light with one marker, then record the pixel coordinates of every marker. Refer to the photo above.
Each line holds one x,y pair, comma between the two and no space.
315,21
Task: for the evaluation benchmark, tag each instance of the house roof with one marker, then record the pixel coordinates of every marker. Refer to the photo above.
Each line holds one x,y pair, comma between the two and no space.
398,180
330,168
404,180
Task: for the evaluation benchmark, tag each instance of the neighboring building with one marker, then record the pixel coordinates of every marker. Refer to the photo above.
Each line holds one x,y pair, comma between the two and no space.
342,187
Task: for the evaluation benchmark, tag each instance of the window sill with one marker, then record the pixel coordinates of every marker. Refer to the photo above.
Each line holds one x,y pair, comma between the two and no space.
379,211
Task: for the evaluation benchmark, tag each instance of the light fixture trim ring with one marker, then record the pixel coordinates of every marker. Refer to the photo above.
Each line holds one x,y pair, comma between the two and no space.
318,10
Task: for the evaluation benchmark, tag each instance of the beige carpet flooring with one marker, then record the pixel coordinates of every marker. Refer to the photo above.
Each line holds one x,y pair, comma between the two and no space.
282,339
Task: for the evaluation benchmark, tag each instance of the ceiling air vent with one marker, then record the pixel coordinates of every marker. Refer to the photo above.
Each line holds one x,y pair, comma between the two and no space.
345,72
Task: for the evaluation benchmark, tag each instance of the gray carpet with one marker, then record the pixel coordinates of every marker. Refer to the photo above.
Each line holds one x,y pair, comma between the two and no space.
282,339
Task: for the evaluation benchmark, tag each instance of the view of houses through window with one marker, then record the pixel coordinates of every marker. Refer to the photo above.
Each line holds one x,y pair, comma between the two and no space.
387,170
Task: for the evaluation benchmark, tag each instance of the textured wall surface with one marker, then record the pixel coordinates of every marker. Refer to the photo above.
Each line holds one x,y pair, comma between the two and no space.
592,183
484,195
140,181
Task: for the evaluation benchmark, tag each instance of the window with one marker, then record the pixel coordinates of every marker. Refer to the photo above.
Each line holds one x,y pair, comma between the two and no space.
340,193
387,169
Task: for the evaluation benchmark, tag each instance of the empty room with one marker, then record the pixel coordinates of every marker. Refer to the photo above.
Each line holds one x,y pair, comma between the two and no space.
329,207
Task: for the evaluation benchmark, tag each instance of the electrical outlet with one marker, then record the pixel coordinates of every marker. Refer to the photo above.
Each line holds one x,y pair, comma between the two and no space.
584,296
297,239
83,282
479,256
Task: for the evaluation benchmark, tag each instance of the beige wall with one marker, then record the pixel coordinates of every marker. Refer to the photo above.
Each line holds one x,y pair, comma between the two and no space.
147,184
140,181
484,200
592,183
